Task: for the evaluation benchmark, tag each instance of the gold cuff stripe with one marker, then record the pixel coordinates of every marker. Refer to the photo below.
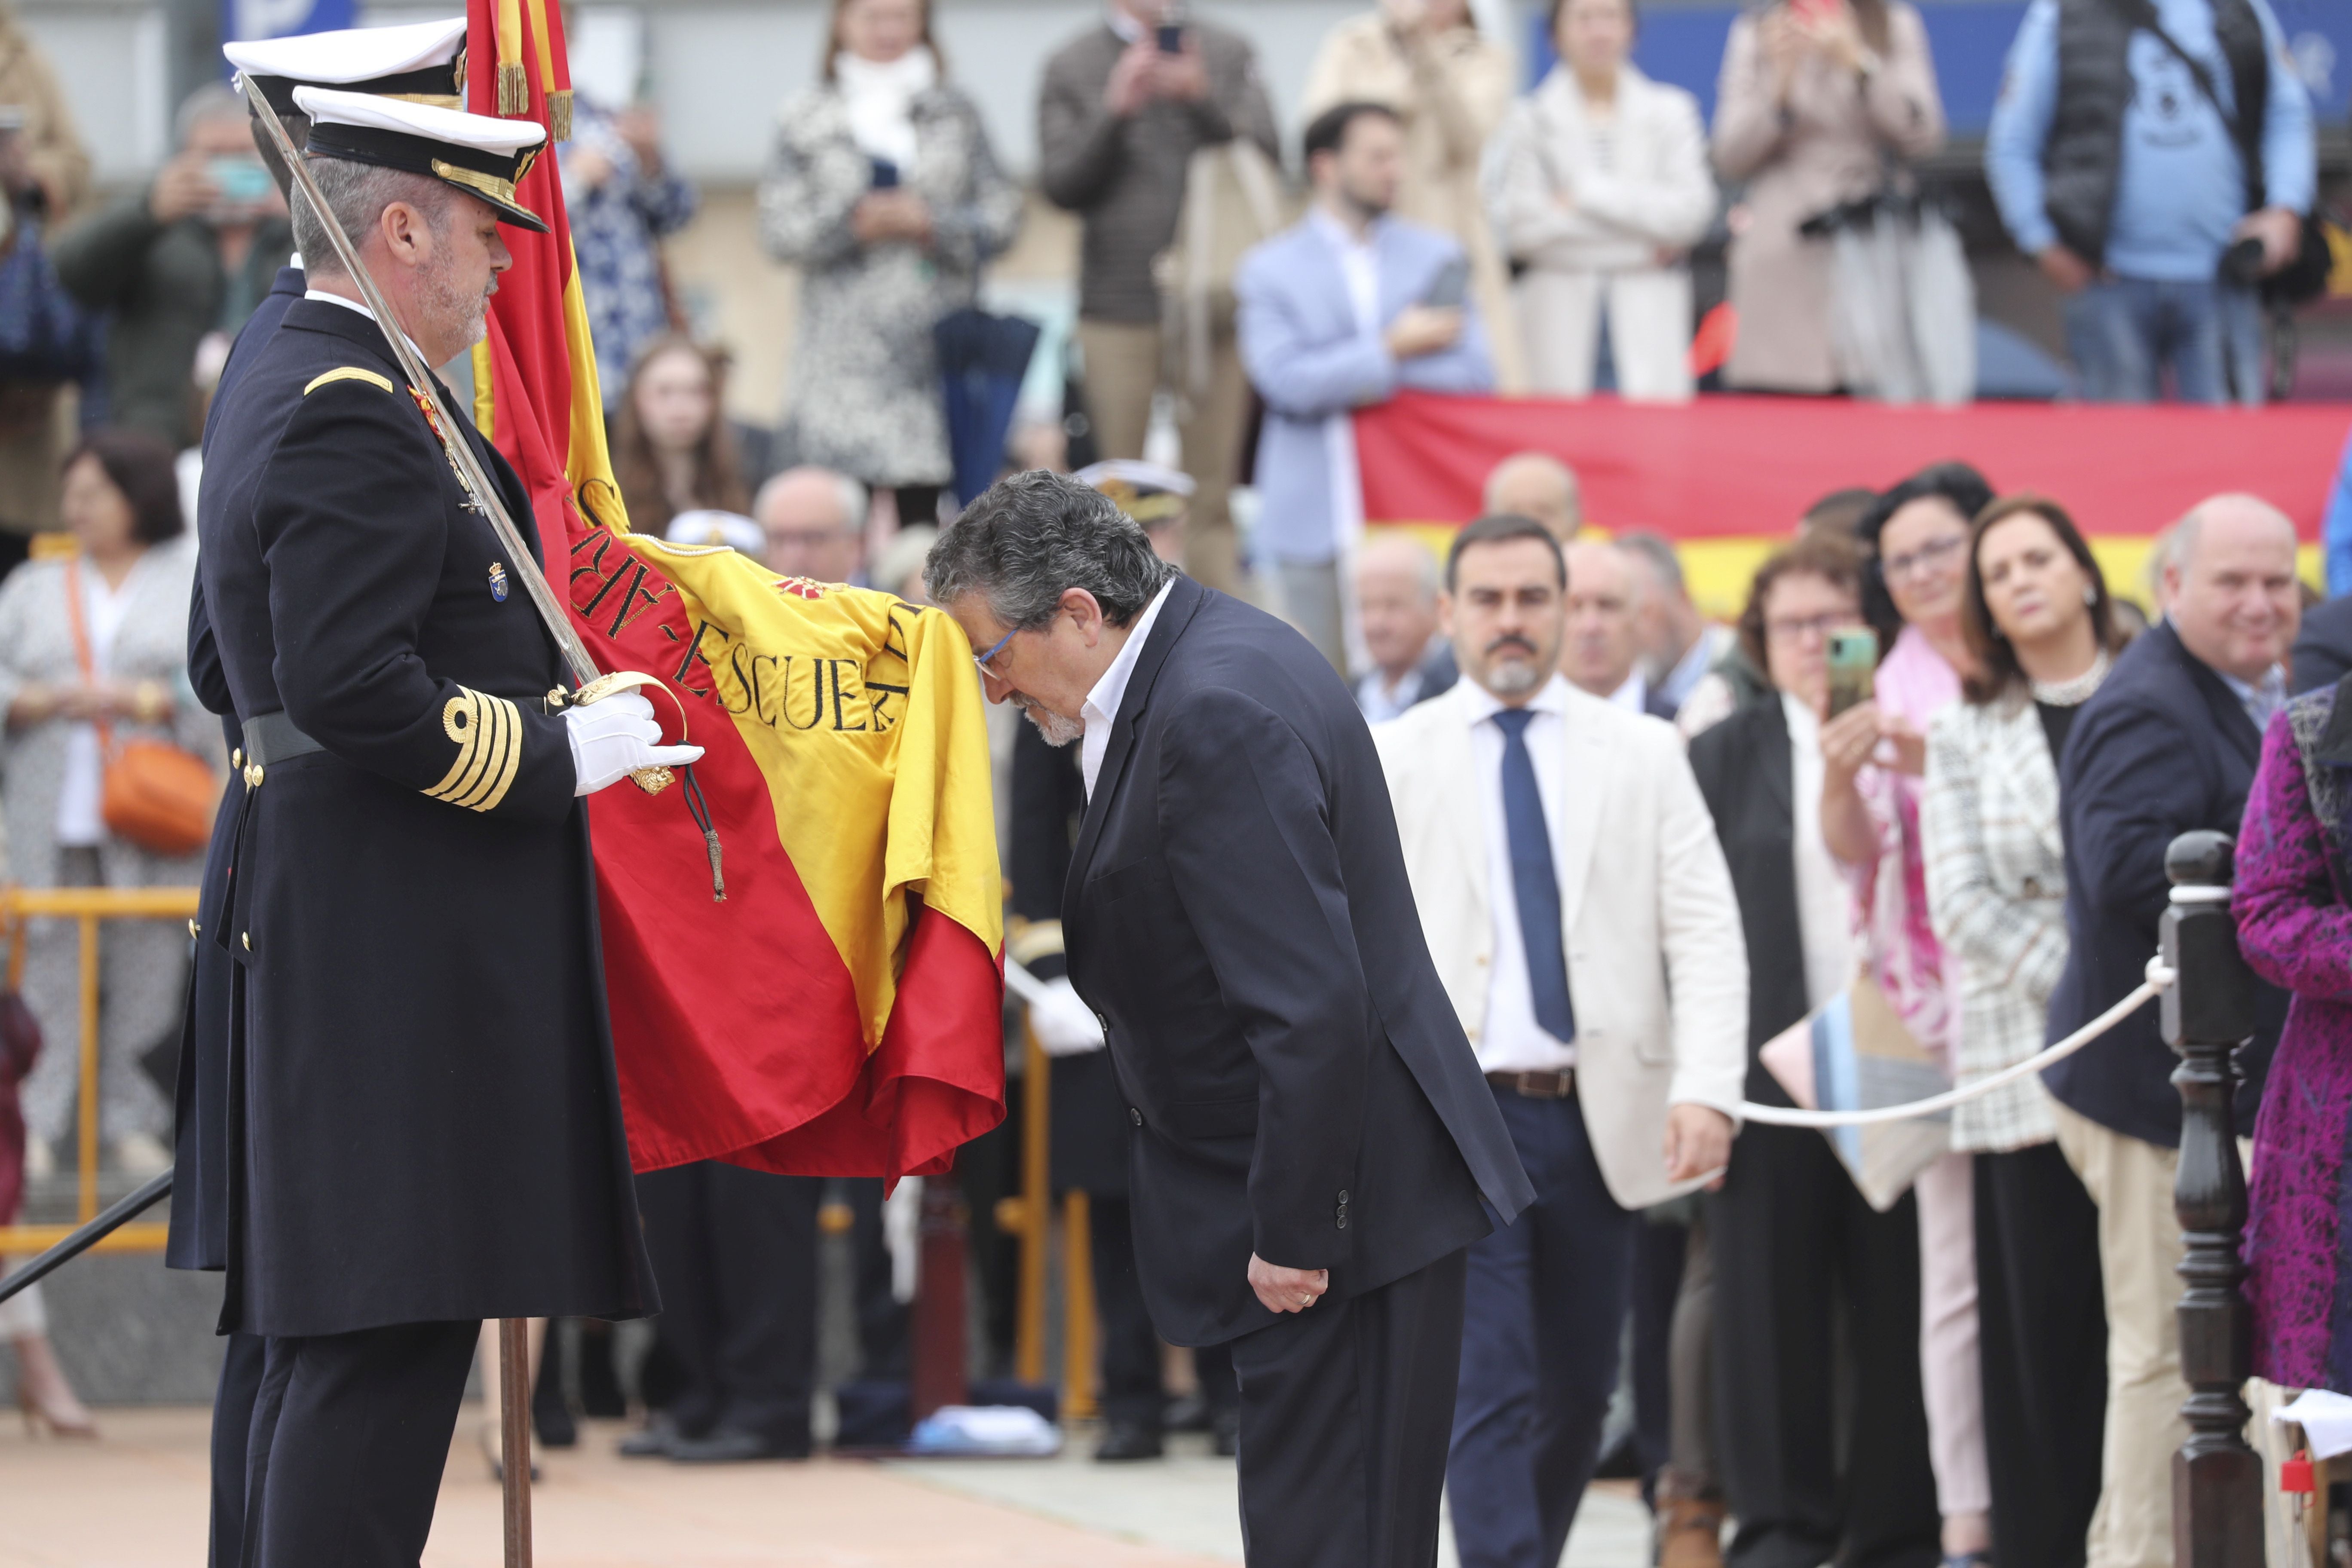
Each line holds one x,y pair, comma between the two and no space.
348,372
489,733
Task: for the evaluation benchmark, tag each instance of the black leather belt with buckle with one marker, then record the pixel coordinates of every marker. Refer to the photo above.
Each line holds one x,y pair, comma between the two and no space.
1537,1085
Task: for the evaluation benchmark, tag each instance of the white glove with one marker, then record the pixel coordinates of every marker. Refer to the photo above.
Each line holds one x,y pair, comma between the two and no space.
1065,1026
615,738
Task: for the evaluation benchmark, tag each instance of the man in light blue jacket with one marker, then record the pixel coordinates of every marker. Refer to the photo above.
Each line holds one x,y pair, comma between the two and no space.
1336,314
2154,158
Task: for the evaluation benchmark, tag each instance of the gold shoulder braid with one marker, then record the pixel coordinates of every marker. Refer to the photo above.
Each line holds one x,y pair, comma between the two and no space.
489,733
348,372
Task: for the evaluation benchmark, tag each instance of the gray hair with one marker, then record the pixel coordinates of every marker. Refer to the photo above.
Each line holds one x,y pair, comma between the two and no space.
358,194
214,101
1033,537
1659,551
849,498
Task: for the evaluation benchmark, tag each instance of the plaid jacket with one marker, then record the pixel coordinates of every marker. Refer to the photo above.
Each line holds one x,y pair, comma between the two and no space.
1997,892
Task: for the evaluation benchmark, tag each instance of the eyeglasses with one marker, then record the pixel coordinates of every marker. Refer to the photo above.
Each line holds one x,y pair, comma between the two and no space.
1789,629
982,658
1899,567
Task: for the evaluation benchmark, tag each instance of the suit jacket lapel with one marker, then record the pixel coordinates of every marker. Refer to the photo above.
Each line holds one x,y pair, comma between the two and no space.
1184,600
2229,715
1460,802
2020,753
1777,760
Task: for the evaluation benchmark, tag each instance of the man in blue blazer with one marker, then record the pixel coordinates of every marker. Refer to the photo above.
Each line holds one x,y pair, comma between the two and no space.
1337,313
2168,745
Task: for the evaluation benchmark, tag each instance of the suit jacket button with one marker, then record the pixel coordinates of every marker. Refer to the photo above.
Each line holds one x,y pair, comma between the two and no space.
1343,1197
1135,1116
1343,1219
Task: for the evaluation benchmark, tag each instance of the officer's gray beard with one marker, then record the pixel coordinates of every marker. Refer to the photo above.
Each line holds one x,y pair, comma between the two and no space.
1057,730
466,311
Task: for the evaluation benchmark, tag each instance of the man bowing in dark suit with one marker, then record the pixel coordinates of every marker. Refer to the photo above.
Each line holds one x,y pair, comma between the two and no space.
1311,1145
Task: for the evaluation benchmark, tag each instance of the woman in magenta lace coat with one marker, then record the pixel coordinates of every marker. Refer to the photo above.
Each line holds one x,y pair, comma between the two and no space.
2295,927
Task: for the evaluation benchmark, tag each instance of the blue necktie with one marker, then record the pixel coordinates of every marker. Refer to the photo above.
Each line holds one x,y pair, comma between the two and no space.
1534,879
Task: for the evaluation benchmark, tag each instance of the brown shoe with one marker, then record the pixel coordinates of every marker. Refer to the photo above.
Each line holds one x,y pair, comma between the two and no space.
1690,1533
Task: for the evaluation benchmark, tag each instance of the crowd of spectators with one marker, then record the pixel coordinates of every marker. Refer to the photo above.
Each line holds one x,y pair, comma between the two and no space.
1985,1368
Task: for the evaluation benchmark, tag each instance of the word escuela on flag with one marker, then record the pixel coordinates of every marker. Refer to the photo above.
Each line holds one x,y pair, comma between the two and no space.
840,1011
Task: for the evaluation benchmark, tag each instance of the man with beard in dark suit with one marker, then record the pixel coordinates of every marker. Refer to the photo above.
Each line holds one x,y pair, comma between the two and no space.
1311,1146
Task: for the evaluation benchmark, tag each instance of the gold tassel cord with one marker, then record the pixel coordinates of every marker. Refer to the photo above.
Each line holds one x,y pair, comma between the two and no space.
559,115
514,88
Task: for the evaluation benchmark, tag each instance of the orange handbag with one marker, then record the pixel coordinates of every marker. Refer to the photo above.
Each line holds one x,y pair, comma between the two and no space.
157,795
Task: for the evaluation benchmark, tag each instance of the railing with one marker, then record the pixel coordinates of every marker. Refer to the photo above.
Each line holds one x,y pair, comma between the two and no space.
1031,1218
2208,1012
86,907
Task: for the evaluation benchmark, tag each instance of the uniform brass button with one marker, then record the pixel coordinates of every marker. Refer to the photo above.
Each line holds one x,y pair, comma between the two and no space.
247,938
1135,1116
237,758
253,775
194,928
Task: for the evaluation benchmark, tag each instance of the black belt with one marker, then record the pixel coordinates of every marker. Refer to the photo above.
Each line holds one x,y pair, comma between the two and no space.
1537,1085
270,739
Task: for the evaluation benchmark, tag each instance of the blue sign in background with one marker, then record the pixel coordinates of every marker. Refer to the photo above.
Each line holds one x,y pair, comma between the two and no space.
1969,40
243,19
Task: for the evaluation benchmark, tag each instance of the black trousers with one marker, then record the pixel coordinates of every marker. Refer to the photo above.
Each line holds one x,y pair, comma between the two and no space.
1817,1353
1345,1409
1131,1391
233,1401
2043,1341
350,1433
1659,1249
883,1320
734,1252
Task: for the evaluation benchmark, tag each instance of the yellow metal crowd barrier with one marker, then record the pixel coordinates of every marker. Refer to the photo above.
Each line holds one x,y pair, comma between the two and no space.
86,907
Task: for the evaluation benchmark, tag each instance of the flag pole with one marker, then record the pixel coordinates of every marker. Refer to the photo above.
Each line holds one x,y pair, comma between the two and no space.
514,1436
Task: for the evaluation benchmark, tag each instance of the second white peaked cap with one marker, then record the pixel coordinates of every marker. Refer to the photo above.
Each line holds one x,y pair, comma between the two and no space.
480,155
419,62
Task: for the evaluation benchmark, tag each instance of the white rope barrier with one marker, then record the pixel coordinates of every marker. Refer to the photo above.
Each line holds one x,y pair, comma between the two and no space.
1029,989
2158,977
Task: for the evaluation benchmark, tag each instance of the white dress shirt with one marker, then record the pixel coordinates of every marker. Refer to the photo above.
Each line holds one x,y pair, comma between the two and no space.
1100,711
1634,695
1824,910
1511,1040
1360,272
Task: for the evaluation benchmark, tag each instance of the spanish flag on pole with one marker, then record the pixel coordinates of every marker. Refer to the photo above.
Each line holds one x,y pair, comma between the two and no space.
839,1011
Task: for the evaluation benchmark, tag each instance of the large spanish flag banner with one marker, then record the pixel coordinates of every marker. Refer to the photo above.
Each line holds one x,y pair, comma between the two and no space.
1728,477
838,1013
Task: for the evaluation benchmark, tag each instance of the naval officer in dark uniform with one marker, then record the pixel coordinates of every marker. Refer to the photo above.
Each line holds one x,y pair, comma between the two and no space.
420,60
426,1129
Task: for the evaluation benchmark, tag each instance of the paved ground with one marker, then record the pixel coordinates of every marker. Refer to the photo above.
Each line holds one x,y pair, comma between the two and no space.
136,1499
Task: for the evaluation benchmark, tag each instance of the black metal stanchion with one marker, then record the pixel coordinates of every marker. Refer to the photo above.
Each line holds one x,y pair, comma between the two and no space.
2208,1012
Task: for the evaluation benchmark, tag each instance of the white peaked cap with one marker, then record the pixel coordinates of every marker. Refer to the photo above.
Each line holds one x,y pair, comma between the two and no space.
480,155
455,127
351,54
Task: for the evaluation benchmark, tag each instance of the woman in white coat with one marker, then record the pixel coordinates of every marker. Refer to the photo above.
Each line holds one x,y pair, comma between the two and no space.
1597,188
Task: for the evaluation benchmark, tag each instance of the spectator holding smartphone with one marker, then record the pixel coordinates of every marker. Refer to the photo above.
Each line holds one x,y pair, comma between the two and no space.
178,266
883,189
1598,185
1338,312
2172,182
1816,98
1124,109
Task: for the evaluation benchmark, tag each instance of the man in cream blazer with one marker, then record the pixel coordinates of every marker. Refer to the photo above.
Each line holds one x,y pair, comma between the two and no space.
1582,922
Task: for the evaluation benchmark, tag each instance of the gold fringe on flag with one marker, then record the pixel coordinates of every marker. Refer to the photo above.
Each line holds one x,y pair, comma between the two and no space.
514,88
559,115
